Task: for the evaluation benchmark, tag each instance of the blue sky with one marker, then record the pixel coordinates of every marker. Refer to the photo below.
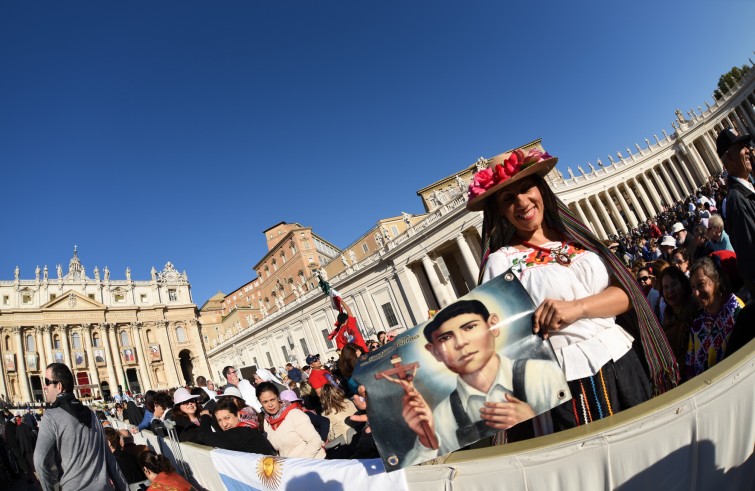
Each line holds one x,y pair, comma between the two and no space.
147,132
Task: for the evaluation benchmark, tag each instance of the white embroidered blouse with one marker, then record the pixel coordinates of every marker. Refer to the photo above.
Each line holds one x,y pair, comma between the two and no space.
583,347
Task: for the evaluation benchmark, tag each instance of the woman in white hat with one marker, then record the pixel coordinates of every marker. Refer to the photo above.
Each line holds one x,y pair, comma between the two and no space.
578,285
185,414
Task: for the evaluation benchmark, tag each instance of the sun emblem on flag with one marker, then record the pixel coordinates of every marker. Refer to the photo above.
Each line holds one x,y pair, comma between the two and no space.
269,471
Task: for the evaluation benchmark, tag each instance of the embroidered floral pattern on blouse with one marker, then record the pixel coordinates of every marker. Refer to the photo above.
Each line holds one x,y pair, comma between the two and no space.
530,258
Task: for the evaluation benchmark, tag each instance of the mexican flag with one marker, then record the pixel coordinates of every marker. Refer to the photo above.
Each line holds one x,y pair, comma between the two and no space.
335,297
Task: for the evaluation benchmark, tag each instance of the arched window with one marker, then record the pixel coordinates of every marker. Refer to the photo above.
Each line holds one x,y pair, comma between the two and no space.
293,247
30,344
56,341
181,334
7,343
76,340
95,340
275,265
267,271
150,336
283,256
125,341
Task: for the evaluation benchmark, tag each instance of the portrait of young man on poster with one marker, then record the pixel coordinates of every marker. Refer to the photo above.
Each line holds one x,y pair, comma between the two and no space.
489,373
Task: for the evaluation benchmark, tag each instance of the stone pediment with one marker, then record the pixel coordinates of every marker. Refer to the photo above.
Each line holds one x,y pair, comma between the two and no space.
72,300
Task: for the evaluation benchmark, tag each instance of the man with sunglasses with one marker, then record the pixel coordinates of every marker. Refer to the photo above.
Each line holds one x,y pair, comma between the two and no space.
71,452
736,153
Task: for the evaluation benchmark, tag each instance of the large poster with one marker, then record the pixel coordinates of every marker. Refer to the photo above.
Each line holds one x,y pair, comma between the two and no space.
32,362
129,358
460,376
9,360
154,352
99,357
79,358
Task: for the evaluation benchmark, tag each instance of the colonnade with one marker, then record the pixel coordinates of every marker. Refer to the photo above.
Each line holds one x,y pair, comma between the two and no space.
96,347
644,185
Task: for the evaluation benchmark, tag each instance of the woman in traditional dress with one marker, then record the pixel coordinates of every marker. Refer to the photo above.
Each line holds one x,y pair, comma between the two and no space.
578,286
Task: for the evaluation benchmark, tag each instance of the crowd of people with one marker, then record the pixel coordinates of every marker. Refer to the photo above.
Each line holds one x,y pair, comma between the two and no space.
627,318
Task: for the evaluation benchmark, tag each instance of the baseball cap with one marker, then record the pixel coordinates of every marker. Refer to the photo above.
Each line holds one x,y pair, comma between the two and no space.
312,358
289,395
727,138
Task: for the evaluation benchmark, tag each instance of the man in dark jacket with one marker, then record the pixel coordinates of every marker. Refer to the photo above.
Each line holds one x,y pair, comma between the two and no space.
736,154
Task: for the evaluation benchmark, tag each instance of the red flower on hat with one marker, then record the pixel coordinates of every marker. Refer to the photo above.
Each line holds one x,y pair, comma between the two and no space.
487,178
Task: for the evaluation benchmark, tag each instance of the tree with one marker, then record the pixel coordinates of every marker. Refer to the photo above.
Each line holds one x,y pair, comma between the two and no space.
730,79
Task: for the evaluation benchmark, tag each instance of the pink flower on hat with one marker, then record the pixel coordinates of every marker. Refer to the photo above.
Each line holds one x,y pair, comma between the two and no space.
481,182
487,178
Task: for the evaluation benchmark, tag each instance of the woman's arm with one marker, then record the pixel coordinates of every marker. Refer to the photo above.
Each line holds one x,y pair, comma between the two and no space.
554,315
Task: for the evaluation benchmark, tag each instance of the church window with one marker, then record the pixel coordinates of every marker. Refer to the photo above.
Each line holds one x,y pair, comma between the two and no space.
53,296
119,297
365,248
125,340
390,315
30,344
91,295
56,341
269,359
96,340
143,297
76,340
6,300
172,295
328,342
150,336
26,299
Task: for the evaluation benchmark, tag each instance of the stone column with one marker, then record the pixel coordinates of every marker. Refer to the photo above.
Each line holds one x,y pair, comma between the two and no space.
362,307
435,284
650,186
651,211
23,377
739,124
710,146
94,376
683,166
629,213
3,385
599,230
112,379
116,356
747,111
47,328
638,211
747,117
615,212
136,333
682,184
670,187
466,253
695,157
172,371
407,281
661,186
41,347
64,341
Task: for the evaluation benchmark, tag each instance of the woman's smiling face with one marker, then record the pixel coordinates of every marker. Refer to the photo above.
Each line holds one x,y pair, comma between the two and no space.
522,205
